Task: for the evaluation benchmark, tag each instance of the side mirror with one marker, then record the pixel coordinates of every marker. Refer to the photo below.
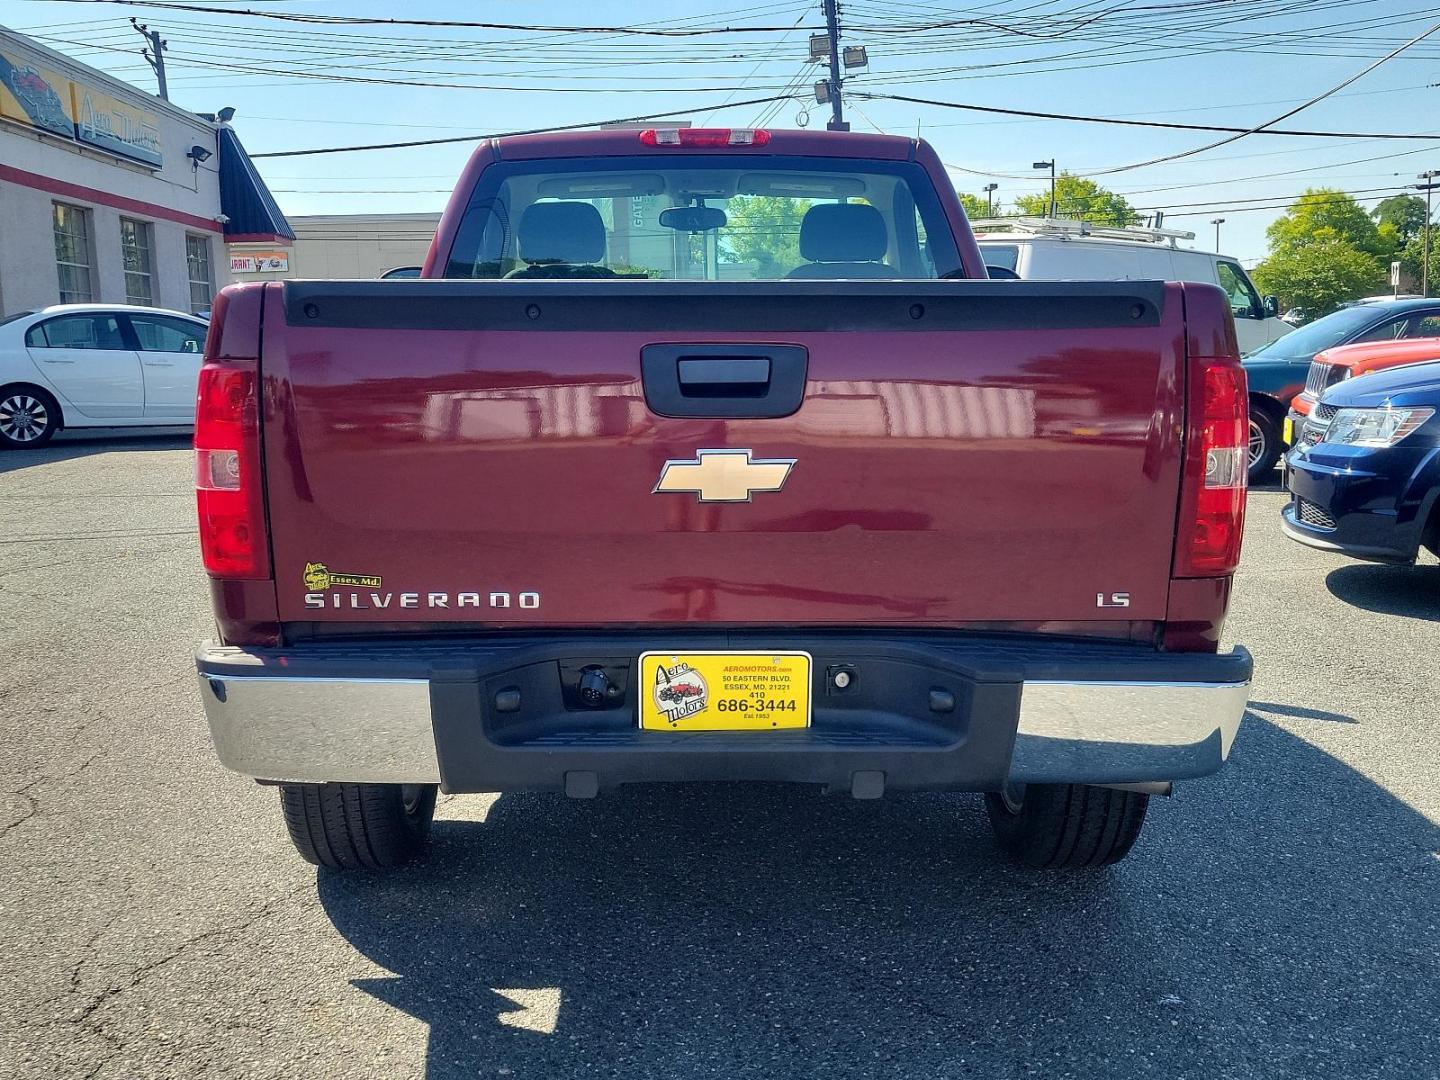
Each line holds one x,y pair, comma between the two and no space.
1000,273
1271,306
693,219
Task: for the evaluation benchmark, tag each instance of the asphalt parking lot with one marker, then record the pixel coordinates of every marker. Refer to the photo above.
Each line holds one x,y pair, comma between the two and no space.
1282,919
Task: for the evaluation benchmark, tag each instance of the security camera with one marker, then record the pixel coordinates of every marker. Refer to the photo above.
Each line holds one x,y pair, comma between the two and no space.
222,219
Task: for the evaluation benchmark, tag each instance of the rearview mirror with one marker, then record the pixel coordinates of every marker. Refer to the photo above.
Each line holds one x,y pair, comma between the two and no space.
1271,306
693,219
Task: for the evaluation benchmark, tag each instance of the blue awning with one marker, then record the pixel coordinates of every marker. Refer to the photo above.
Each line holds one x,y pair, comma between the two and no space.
244,199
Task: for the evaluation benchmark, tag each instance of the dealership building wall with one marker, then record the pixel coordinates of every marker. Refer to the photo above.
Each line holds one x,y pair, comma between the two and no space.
347,246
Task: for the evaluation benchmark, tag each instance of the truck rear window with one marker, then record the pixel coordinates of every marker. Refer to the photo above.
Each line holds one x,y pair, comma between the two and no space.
704,218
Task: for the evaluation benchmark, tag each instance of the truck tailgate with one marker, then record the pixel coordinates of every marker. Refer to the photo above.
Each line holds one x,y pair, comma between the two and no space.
484,453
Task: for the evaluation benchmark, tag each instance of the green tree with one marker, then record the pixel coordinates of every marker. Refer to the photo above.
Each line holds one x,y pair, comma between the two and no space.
764,230
1323,214
1082,199
1405,214
1413,254
1319,275
975,207
1324,250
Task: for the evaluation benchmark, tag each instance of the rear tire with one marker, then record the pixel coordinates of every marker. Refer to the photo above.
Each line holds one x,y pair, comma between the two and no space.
358,826
1265,446
1062,826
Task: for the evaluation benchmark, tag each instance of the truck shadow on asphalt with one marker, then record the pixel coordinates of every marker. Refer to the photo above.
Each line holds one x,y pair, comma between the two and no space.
1409,591
1279,920
67,447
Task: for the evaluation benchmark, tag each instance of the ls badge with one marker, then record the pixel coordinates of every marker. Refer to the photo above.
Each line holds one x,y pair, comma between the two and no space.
724,475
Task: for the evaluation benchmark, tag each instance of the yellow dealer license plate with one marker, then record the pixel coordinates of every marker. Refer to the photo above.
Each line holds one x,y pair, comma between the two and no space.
724,691
1289,433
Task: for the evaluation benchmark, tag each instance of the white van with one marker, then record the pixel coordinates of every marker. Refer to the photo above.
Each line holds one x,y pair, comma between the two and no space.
1049,249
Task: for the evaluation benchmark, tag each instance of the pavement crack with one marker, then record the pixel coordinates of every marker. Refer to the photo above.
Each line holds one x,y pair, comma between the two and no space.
85,1016
31,808
32,802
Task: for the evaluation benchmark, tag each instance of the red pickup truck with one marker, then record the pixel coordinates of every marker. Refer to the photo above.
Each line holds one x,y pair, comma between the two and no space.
713,455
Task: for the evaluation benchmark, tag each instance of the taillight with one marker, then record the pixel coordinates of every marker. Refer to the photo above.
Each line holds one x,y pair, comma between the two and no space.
228,490
1212,501
704,137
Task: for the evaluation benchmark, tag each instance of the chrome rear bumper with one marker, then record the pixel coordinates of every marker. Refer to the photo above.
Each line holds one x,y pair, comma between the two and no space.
338,716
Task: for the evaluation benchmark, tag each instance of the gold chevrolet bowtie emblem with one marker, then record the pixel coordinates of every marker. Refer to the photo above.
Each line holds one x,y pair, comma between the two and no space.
724,475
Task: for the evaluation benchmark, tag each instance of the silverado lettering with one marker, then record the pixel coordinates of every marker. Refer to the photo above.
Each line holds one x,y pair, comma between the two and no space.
809,498
357,601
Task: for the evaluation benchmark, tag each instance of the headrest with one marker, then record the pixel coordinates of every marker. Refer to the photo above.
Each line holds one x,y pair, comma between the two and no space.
561,232
843,232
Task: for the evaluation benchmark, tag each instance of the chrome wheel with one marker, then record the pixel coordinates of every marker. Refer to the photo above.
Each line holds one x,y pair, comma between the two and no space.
24,418
1257,442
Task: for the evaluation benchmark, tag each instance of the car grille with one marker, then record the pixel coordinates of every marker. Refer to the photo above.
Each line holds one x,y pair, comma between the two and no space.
1321,376
1323,413
1308,513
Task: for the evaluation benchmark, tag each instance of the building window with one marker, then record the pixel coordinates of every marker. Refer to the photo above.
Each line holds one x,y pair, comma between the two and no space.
202,284
72,254
135,252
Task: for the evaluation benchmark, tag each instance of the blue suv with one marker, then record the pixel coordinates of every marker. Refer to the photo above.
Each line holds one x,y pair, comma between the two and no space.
1364,475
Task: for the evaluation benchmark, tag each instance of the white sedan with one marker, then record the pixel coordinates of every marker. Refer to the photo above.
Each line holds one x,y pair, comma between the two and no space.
96,365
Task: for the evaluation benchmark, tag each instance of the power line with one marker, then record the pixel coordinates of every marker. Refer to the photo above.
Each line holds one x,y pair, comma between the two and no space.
1072,117
549,88
1283,116
355,20
507,134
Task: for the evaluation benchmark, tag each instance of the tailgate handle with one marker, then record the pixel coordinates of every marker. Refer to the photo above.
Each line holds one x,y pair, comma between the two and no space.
731,380
724,373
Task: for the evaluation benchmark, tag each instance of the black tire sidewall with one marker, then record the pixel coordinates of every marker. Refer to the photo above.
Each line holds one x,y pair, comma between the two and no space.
1262,468
52,408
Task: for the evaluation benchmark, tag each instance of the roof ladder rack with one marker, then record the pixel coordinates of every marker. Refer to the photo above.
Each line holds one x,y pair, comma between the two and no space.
1067,227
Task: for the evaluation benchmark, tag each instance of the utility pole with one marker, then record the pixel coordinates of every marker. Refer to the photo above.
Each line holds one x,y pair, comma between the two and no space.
990,199
1429,188
1217,222
832,29
155,54
1051,166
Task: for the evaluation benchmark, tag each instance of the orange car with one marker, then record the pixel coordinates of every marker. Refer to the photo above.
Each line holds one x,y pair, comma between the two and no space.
1346,362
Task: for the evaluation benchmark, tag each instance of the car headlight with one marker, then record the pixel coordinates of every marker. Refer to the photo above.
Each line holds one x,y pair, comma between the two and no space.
1374,427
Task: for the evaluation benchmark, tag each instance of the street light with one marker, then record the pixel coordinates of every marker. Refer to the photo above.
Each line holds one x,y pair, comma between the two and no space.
1051,166
990,199
1217,222
1428,187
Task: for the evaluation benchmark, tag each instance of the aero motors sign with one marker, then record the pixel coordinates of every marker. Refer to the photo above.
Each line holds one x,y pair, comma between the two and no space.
114,125
35,96
44,99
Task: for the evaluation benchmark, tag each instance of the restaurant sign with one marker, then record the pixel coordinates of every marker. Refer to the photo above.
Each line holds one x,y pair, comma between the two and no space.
260,262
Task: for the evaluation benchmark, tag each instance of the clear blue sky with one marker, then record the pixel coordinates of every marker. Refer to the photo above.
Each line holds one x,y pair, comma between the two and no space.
1232,62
